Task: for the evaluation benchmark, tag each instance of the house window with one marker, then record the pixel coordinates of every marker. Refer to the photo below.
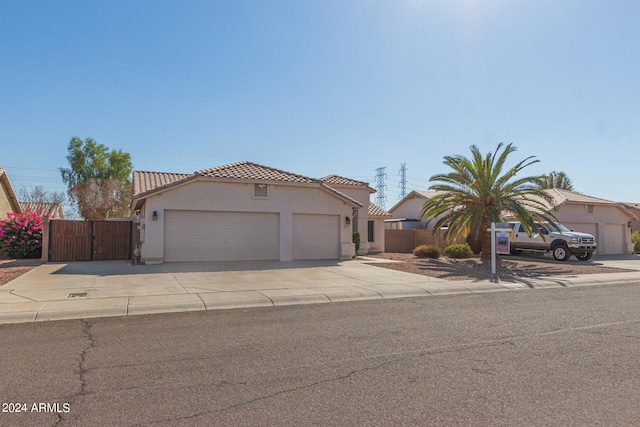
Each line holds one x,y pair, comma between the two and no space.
370,231
260,190
590,209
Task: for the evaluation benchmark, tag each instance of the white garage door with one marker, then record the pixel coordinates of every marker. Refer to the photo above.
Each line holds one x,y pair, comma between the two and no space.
220,236
614,239
316,236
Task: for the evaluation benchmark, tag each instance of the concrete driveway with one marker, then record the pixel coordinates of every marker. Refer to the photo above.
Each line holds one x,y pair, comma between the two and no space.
111,288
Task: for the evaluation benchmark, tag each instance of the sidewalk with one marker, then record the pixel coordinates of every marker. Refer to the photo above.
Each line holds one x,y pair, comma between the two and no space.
116,288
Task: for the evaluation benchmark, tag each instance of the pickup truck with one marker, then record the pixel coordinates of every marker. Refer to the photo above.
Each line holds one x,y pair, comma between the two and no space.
558,240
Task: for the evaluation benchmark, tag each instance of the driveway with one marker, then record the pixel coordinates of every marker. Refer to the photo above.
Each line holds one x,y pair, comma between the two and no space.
116,288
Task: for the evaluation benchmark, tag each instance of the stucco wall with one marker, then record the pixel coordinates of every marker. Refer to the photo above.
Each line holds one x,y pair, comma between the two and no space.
361,195
378,243
5,203
238,197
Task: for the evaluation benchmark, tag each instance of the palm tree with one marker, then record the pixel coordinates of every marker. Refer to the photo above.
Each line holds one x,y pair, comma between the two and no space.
556,180
476,193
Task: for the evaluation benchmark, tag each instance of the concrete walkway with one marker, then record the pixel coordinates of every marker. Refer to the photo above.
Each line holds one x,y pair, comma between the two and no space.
116,288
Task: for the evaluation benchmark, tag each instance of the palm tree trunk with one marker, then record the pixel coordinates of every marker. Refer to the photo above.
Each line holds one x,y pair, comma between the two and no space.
485,241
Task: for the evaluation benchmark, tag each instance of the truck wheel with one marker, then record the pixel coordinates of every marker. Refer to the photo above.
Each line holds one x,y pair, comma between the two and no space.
561,253
585,256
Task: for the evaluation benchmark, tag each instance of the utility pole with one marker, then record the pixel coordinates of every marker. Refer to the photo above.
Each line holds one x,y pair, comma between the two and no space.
403,181
381,199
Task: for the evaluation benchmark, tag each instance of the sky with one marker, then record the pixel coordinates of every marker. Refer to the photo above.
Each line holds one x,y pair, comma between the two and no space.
324,87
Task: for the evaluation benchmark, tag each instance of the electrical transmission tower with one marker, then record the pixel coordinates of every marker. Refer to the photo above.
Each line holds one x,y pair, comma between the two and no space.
403,181
381,199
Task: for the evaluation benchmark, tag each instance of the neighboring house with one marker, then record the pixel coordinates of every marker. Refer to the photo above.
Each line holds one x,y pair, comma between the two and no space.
610,222
52,210
8,200
634,208
406,213
363,220
241,211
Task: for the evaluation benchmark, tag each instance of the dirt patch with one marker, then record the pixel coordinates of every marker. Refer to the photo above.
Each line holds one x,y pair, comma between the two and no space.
511,268
13,268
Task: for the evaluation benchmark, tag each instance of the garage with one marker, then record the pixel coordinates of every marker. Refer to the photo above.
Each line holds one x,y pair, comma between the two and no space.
316,236
614,238
220,236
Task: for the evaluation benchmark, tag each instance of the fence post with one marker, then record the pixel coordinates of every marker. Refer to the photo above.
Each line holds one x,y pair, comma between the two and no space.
46,225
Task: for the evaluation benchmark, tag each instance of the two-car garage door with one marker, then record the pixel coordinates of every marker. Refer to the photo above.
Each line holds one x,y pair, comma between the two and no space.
220,236
246,236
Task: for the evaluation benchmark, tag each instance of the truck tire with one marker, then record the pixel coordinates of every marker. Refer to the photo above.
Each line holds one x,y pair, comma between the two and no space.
561,252
585,256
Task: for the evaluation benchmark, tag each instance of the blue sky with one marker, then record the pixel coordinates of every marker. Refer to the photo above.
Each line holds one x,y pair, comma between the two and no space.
325,86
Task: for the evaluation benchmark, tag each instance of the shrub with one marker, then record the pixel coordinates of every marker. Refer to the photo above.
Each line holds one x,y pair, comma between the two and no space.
356,240
21,235
635,238
458,250
425,251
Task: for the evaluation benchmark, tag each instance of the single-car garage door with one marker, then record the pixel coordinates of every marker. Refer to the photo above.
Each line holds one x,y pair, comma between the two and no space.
614,235
316,236
220,236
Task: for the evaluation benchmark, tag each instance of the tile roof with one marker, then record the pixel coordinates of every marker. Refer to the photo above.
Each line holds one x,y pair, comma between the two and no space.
375,210
561,196
4,178
148,181
52,209
253,171
340,180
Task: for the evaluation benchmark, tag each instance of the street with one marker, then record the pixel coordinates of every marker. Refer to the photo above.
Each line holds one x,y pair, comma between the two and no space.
532,357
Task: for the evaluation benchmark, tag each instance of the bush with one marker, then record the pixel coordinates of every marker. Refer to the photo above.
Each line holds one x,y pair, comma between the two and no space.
425,251
356,240
635,238
458,250
21,235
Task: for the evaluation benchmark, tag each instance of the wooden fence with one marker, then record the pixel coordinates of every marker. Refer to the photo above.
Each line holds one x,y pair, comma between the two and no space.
407,240
88,240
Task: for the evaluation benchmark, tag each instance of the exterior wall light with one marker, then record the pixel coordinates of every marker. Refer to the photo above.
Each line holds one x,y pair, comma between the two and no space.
154,216
347,220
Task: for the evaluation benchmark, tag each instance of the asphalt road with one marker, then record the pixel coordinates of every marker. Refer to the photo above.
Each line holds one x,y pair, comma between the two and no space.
534,357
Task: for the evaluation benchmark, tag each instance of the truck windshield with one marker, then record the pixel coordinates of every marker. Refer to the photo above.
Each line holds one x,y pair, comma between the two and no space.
558,228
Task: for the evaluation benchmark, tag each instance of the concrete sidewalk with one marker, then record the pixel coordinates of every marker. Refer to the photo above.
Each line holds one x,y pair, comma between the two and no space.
116,288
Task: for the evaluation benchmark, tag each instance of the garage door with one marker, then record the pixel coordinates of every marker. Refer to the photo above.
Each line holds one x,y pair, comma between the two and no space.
316,236
220,236
614,239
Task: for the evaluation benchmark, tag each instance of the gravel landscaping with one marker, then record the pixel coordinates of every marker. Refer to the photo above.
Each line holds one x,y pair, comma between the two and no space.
511,267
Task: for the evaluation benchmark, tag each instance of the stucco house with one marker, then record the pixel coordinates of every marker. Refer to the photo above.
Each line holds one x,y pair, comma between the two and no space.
610,222
634,208
368,220
8,200
244,211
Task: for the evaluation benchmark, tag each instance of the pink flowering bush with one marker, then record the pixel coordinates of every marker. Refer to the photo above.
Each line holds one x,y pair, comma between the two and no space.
21,235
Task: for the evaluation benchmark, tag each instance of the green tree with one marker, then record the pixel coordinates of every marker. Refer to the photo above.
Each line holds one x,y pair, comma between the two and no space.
98,179
556,180
477,193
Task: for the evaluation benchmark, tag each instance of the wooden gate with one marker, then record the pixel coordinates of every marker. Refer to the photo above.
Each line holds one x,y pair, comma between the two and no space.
89,240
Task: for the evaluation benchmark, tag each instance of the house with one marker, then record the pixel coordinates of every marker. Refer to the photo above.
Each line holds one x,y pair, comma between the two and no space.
406,213
242,211
634,208
610,222
8,200
369,219
52,210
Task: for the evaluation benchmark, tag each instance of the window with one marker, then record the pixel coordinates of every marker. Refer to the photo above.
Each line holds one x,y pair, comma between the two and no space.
370,231
590,209
260,190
